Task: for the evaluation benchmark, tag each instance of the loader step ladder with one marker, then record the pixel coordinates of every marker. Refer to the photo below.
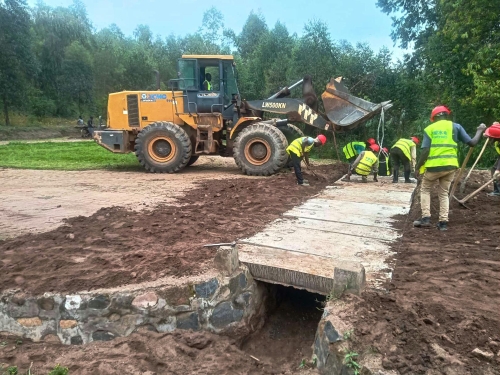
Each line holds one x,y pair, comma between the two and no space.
204,139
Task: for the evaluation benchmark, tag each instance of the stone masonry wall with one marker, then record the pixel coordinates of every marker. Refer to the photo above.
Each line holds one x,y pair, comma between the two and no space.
231,303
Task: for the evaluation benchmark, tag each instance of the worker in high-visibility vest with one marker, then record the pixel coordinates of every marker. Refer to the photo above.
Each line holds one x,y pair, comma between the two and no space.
494,132
298,150
366,163
353,149
404,152
439,158
207,83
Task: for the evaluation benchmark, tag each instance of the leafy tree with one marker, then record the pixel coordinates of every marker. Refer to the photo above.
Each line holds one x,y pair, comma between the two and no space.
16,58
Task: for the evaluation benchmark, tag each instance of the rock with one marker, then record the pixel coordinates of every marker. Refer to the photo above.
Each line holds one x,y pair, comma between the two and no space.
188,321
483,354
99,302
72,302
71,236
102,336
51,338
237,283
243,300
114,317
46,303
146,300
19,280
19,300
66,324
331,334
208,289
226,260
224,314
76,340
30,322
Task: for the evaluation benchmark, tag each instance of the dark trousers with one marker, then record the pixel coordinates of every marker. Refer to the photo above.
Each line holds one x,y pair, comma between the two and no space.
397,158
295,161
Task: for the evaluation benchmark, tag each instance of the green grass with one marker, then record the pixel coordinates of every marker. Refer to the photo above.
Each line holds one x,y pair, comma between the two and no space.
68,156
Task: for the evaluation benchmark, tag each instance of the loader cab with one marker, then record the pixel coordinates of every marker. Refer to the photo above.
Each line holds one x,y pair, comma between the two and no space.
193,71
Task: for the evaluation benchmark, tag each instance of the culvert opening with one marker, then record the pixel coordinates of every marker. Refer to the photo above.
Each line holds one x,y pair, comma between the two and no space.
291,320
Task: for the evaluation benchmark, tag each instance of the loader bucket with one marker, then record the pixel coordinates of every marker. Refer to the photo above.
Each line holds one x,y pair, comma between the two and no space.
345,110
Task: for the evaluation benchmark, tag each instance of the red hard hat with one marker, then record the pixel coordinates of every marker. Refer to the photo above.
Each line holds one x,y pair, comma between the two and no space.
385,150
375,147
322,139
438,110
493,131
416,140
371,141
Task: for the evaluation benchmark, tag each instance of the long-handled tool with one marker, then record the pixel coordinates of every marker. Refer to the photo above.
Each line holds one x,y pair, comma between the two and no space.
464,182
473,194
460,172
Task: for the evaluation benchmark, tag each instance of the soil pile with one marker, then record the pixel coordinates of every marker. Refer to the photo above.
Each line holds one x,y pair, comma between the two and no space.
143,353
115,246
444,300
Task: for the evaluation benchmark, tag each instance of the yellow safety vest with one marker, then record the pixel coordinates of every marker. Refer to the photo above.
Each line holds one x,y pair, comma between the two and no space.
296,147
443,151
349,150
209,85
365,165
497,147
405,145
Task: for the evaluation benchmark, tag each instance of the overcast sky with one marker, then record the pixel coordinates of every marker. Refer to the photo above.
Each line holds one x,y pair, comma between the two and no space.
352,20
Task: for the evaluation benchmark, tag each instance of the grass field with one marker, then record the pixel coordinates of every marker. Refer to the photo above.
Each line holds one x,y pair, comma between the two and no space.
64,156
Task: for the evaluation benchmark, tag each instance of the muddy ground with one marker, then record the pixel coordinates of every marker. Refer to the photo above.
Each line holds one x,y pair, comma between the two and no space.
117,246
444,300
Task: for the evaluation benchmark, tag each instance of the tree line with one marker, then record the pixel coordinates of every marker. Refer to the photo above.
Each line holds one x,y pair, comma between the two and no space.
53,62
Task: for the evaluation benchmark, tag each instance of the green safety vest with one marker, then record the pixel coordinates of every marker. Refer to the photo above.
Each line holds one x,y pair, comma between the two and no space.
296,147
365,165
405,145
497,147
443,151
349,150
209,85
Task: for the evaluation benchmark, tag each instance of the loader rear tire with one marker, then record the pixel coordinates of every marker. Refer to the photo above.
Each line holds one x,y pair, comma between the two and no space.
260,150
291,132
192,160
163,147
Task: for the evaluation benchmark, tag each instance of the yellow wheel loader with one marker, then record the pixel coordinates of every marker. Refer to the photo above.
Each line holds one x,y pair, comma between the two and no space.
202,113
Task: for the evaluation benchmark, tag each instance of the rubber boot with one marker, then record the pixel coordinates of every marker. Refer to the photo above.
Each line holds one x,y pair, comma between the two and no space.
395,177
424,222
407,177
496,190
443,225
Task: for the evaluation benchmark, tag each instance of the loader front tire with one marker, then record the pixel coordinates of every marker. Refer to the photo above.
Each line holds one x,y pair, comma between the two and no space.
163,147
192,160
260,150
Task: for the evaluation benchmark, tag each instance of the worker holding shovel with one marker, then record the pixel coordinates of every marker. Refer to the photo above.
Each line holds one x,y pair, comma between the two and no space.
298,150
439,160
494,132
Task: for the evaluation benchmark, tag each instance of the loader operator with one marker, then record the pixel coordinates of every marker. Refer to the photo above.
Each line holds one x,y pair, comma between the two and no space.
438,162
404,152
366,163
298,150
353,149
207,85
494,132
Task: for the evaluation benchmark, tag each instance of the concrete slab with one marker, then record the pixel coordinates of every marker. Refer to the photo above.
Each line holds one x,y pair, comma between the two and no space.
345,230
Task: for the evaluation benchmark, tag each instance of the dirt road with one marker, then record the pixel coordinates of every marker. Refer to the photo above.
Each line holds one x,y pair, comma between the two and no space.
38,201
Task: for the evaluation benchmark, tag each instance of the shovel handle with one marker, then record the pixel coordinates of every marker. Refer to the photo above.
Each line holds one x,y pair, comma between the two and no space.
461,171
476,192
479,157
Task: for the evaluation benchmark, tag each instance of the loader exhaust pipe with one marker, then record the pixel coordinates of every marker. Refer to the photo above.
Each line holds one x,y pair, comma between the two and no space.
157,79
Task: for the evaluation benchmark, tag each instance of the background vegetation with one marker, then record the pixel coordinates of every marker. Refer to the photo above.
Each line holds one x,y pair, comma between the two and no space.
54,63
